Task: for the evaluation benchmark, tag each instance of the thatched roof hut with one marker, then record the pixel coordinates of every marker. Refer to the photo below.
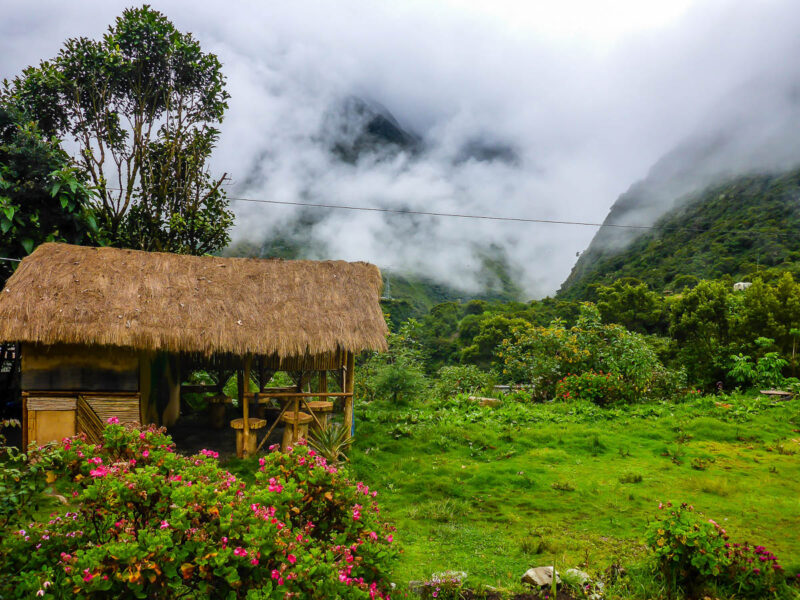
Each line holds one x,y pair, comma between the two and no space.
64,294
103,329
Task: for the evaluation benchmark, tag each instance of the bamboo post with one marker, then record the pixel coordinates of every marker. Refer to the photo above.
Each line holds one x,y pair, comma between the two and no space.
296,419
349,380
243,377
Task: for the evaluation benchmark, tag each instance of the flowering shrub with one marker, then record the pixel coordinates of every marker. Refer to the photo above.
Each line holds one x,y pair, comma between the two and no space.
694,553
543,356
444,586
600,388
21,482
144,521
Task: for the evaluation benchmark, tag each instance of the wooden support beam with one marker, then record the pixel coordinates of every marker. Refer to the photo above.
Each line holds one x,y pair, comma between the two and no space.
243,379
347,388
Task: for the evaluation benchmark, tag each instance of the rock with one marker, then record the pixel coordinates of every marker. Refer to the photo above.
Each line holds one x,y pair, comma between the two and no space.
540,576
416,587
483,401
578,575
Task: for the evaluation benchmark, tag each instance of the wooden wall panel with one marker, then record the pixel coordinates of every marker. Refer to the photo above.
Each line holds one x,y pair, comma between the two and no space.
68,367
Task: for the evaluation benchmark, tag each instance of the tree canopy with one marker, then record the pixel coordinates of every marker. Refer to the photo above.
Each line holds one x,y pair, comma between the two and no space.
141,105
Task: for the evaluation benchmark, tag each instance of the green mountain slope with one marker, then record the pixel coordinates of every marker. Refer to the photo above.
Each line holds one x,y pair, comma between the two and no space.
736,229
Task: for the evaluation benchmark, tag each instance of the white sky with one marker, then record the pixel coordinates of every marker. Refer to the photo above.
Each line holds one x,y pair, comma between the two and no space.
590,94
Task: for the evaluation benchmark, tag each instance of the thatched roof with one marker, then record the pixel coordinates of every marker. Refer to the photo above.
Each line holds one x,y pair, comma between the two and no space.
155,301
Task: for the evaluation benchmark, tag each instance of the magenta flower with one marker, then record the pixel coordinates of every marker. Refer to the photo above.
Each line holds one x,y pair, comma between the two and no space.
113,420
164,525
292,559
238,551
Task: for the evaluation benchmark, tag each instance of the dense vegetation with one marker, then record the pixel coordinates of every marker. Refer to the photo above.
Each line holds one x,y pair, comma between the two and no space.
140,108
138,520
737,229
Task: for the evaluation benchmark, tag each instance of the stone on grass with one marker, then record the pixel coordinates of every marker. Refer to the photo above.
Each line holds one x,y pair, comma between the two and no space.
540,576
578,576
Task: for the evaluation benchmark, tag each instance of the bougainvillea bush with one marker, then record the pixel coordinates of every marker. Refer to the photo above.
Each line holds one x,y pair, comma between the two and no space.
695,554
142,521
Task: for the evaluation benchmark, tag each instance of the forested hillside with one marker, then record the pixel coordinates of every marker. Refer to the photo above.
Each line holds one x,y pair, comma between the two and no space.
736,229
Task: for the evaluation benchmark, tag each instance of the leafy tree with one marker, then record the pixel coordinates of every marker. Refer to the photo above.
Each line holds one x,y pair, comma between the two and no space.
492,330
140,105
632,305
43,196
700,323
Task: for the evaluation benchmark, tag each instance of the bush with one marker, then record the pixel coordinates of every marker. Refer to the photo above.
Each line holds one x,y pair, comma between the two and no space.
147,522
694,554
601,388
398,382
461,379
543,356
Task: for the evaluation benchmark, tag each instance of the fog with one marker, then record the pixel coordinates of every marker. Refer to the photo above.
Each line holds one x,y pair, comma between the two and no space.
507,117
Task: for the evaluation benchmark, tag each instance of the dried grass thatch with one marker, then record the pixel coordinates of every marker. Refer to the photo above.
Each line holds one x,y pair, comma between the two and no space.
155,301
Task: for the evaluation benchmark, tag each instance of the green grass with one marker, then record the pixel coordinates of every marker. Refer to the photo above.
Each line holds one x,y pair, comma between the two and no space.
495,491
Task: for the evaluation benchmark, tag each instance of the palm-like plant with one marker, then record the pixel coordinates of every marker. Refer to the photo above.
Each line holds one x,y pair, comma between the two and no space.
331,442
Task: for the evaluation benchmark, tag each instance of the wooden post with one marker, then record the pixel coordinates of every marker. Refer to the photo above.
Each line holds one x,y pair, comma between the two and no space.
243,379
349,379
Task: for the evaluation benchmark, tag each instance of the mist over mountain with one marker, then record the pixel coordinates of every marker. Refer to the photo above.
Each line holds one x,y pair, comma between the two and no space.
522,110
760,137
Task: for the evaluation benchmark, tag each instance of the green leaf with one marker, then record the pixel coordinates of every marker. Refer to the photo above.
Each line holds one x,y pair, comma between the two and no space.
5,225
9,212
27,243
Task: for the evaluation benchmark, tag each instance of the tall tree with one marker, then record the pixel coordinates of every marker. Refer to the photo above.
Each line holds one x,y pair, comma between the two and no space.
140,105
43,196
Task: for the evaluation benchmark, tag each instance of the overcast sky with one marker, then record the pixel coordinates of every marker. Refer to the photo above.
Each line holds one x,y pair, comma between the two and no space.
589,94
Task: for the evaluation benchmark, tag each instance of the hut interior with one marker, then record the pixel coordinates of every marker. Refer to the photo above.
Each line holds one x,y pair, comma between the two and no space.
107,332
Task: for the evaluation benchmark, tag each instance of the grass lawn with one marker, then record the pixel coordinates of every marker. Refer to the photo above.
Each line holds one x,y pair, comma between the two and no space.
494,491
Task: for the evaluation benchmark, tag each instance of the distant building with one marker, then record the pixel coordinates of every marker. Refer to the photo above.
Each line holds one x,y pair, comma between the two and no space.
741,286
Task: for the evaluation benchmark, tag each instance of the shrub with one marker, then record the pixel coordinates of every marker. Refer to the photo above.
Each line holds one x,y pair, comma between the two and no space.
460,379
398,382
147,522
600,388
694,553
542,356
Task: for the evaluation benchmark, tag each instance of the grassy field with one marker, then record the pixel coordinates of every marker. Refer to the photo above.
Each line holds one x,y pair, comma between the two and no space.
494,491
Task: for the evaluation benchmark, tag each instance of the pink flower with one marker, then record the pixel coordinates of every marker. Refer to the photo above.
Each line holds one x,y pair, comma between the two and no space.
254,561
274,486
164,525
146,453
113,421
100,471
390,538
87,576
240,551
373,535
262,461
292,559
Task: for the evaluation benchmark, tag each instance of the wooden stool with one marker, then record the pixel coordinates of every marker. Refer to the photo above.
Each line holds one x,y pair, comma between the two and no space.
252,443
322,409
216,410
303,419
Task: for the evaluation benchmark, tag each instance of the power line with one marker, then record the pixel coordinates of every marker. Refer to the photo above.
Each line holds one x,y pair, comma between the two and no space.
436,214
11,259
402,211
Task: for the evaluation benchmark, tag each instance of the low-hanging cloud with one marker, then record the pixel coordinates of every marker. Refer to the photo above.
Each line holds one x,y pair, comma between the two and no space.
508,122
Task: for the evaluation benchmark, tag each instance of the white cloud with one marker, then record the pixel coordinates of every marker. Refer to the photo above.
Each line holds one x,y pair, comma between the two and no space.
589,95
